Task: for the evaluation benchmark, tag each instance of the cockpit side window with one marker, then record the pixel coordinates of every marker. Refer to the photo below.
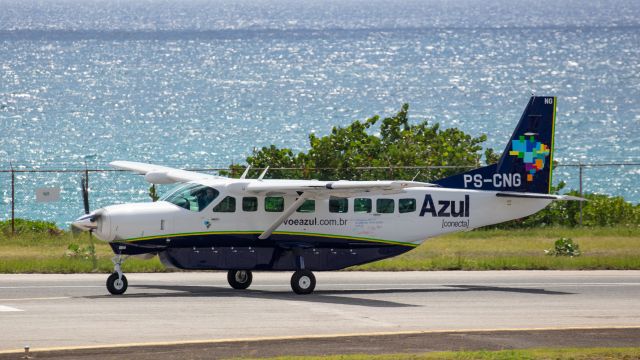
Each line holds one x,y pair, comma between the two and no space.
193,197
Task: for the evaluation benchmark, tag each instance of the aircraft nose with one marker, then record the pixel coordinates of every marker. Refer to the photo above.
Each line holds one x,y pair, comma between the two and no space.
87,222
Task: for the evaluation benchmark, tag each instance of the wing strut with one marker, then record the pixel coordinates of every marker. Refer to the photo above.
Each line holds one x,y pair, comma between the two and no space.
293,207
246,171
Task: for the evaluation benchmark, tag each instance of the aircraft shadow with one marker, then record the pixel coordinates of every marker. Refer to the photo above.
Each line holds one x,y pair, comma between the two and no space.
340,297
218,292
450,288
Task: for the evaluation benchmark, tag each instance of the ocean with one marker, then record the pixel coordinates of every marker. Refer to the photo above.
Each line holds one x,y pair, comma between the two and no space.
200,84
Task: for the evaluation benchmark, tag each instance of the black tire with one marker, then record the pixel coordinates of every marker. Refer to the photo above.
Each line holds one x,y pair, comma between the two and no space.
117,286
239,279
303,282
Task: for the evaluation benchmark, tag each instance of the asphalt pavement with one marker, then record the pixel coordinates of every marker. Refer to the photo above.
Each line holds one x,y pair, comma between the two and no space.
189,310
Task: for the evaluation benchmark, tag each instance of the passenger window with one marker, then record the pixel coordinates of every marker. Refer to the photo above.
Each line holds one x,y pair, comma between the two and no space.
227,204
406,205
274,204
362,205
385,206
308,206
338,205
249,204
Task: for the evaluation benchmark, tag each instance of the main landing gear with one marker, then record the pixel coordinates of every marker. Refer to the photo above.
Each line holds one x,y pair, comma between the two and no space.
239,279
117,282
302,281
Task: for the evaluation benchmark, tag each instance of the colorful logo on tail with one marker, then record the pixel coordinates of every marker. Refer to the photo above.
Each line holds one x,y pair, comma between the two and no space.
532,153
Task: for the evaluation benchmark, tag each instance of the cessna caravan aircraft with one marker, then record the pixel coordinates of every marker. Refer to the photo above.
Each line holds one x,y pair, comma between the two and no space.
215,223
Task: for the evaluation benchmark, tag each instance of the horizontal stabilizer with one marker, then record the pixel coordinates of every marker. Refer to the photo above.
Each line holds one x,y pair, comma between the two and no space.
539,196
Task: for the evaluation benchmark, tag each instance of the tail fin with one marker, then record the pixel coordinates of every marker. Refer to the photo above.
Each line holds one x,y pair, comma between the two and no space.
526,163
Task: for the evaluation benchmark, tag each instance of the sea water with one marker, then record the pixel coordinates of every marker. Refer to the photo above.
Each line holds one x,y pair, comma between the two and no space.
202,83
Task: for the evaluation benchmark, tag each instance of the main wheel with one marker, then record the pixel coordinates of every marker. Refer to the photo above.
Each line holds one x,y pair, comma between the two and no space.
115,285
303,282
239,279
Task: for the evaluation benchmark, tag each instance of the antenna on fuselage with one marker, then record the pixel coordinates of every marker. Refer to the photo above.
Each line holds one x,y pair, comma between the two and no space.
263,173
246,171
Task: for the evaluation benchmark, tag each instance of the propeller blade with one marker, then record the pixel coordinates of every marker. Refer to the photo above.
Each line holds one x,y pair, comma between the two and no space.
84,183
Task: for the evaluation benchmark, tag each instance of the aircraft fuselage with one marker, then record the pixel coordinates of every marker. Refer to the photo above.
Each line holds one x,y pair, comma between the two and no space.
332,234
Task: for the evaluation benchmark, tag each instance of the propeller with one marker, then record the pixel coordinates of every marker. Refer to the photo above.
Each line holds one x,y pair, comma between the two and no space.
87,221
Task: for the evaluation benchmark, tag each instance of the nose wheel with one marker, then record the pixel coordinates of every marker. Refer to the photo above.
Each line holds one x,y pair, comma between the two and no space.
303,282
117,282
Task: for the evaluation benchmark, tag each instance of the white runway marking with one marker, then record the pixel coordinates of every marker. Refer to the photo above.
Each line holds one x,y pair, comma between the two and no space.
37,298
49,286
4,308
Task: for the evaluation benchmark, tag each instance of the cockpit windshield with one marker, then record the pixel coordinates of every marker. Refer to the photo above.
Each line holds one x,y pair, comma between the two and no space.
194,197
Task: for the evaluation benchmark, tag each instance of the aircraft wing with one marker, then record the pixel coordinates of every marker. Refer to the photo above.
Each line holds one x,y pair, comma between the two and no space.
342,188
157,174
319,189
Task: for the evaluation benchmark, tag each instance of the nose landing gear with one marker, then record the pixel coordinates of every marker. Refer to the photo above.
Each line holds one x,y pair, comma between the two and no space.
117,282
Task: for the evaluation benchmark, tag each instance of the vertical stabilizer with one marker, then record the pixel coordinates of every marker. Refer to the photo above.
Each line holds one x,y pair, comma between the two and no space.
526,162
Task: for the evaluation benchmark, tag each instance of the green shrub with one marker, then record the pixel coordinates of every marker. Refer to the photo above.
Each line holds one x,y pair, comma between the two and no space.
603,210
76,251
598,210
24,226
564,247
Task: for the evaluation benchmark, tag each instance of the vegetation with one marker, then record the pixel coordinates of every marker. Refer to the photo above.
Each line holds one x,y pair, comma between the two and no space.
603,248
564,247
23,226
40,247
153,194
394,143
598,210
525,354
490,249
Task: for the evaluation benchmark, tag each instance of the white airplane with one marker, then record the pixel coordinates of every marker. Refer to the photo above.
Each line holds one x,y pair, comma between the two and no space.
214,223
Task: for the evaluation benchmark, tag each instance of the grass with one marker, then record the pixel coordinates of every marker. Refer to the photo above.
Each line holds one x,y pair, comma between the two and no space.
522,249
602,248
47,253
526,354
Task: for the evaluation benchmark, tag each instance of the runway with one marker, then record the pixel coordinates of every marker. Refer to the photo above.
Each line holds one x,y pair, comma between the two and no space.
51,311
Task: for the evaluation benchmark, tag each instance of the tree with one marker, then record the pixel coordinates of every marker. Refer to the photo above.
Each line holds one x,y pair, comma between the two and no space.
346,150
